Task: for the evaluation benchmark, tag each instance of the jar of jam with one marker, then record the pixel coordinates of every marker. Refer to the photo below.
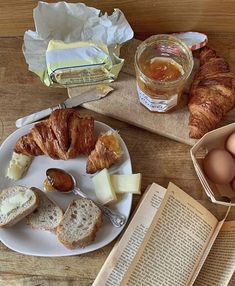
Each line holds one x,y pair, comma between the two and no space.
163,63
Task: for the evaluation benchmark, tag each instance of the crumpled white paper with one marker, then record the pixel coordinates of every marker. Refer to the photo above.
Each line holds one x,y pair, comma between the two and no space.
69,23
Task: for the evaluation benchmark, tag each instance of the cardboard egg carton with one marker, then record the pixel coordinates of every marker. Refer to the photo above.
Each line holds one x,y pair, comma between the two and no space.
220,194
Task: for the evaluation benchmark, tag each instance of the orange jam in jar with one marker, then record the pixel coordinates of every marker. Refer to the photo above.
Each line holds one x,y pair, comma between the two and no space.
162,69
163,63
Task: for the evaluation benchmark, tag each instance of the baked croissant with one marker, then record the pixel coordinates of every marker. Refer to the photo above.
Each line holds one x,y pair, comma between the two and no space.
107,152
63,135
212,93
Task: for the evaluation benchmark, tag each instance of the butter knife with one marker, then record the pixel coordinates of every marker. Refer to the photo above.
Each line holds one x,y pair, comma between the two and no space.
91,95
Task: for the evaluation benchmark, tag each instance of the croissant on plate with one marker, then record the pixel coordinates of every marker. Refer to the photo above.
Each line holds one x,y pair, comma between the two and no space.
107,152
212,93
63,135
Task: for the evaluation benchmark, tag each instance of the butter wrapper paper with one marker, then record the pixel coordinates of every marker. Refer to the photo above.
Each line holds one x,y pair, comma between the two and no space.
75,45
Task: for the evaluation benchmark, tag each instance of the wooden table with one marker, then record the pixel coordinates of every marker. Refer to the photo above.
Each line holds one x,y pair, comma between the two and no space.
159,160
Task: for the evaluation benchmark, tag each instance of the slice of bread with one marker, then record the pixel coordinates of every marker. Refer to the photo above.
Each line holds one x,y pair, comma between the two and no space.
16,203
80,223
47,216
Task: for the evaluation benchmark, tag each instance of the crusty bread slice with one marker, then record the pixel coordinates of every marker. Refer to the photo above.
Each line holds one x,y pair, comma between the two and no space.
80,223
47,216
16,203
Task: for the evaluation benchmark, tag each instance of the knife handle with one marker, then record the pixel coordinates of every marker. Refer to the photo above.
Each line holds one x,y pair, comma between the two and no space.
37,115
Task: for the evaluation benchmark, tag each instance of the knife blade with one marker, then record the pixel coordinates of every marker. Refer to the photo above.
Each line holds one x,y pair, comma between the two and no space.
91,95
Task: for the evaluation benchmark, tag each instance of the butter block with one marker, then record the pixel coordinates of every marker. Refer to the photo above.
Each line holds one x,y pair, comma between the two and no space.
103,188
18,165
126,183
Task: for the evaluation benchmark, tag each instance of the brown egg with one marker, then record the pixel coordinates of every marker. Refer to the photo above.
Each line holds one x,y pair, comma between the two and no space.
219,166
230,144
233,184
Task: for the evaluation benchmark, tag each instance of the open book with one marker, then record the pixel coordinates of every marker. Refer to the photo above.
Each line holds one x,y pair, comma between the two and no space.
172,240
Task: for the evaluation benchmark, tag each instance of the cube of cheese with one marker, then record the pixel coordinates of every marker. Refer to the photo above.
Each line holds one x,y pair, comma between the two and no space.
126,183
103,189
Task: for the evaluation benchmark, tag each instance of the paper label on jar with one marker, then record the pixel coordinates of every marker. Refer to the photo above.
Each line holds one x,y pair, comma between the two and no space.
159,105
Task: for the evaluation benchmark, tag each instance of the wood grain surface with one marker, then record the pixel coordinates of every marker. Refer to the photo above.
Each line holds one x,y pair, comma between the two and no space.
159,159
144,16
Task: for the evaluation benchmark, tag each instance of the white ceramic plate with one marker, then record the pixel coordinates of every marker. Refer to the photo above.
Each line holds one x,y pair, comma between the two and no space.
24,239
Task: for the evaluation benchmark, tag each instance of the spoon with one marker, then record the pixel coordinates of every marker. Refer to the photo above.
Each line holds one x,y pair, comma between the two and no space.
64,182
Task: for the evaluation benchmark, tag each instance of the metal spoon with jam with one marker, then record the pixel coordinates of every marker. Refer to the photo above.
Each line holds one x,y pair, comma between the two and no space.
59,180
64,182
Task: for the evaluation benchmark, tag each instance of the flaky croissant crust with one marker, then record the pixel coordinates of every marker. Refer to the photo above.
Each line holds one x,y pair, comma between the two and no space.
63,135
212,93
107,152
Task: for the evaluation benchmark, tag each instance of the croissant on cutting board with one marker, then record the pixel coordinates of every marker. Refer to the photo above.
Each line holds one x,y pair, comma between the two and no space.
63,135
212,93
107,152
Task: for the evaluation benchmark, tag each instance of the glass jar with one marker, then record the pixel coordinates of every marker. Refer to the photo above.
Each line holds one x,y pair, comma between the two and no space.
163,63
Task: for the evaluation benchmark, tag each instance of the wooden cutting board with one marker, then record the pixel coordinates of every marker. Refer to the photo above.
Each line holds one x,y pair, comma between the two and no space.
123,104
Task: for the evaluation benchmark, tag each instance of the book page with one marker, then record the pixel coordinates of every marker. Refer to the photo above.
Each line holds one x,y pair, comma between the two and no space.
125,250
220,263
174,243
209,246
232,281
